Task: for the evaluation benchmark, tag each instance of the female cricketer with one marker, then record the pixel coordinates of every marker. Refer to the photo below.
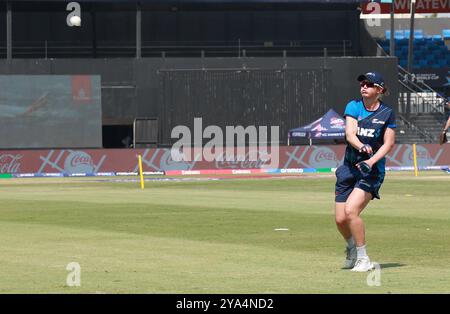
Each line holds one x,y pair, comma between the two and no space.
370,135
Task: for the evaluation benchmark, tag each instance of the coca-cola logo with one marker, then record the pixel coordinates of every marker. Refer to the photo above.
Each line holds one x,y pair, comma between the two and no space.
167,163
323,157
10,163
226,161
422,154
79,162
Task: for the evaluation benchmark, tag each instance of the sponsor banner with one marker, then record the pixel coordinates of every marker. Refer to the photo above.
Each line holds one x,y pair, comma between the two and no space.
399,168
126,173
78,174
105,174
402,6
24,175
10,163
272,171
309,170
434,77
49,174
293,170
159,161
215,172
419,168
324,170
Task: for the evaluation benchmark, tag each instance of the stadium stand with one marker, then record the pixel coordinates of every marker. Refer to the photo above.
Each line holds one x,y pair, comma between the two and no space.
430,50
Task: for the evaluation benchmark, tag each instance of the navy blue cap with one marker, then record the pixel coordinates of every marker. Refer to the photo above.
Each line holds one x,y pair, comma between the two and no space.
373,77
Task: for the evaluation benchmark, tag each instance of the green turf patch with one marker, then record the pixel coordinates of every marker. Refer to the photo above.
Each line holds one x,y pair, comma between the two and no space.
229,236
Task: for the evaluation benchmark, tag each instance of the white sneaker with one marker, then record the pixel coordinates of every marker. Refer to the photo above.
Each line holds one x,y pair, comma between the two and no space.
363,265
350,259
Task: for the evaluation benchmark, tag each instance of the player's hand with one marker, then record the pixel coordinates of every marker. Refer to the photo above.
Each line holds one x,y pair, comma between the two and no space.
364,167
366,148
443,137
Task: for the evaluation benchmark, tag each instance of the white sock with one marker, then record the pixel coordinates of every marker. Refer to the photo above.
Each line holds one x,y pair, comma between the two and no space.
361,252
350,242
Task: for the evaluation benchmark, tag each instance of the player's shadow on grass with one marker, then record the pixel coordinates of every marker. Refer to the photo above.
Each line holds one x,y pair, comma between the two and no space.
389,265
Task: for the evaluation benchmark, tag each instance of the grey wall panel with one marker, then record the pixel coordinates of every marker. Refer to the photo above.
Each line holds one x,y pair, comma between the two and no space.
25,66
132,88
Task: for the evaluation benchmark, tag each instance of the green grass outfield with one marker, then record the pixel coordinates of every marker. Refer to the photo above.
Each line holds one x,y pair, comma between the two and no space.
218,236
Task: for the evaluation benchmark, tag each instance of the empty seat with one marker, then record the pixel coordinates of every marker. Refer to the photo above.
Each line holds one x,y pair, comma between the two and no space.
418,33
402,42
388,34
419,41
432,47
399,34
446,33
436,65
423,63
442,62
437,55
437,37
418,55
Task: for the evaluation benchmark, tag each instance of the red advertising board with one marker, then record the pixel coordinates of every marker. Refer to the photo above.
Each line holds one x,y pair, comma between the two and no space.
81,88
158,159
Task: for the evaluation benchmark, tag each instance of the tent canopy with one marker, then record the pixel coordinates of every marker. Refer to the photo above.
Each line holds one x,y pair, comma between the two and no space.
330,126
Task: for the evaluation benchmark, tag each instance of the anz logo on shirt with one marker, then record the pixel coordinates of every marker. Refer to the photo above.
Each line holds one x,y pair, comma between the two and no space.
368,132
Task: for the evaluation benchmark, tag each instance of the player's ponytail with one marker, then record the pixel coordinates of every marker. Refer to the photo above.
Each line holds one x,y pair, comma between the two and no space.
384,92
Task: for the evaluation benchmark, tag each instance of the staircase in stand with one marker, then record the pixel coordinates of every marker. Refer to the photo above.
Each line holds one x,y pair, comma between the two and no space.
419,128
426,111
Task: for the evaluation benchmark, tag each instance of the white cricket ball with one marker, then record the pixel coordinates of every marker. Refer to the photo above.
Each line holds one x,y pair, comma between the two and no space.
75,20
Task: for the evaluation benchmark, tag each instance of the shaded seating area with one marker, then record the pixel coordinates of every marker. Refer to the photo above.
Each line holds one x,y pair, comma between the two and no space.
430,50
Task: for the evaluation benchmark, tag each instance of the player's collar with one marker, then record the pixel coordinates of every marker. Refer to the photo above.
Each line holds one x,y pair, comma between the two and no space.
379,106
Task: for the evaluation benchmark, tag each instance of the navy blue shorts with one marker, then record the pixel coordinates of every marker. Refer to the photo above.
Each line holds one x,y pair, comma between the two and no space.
348,178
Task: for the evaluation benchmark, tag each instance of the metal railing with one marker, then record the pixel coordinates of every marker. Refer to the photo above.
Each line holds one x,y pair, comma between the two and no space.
420,94
237,48
422,133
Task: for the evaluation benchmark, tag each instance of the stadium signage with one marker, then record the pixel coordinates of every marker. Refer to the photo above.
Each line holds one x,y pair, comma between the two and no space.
182,149
40,163
433,77
222,162
9,163
322,157
402,6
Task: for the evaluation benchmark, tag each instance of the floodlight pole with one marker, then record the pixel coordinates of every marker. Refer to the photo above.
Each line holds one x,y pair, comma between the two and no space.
410,53
8,31
411,36
138,31
392,39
